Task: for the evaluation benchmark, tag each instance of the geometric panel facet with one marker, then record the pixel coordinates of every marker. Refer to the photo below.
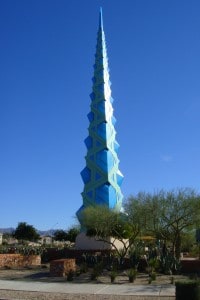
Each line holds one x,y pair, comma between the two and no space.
88,142
120,178
105,160
104,130
86,175
106,195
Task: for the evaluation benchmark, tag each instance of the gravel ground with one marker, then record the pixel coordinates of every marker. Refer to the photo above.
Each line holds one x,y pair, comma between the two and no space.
18,295
42,274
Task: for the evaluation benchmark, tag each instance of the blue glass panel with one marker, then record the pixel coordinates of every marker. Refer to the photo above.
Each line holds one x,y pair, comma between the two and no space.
92,96
105,160
101,107
101,87
90,194
119,179
116,146
86,175
92,157
88,142
90,116
113,120
97,176
98,144
106,194
101,130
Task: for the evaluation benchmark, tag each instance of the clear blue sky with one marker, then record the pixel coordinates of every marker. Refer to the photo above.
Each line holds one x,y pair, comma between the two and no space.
46,65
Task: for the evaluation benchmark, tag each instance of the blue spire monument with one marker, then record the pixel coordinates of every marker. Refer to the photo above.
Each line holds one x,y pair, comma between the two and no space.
101,175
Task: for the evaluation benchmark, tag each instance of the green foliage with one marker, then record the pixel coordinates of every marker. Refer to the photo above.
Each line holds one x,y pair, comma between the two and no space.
60,235
169,264
165,215
83,268
95,218
72,233
113,275
101,223
69,235
153,264
24,250
132,273
153,276
26,232
195,251
97,271
187,241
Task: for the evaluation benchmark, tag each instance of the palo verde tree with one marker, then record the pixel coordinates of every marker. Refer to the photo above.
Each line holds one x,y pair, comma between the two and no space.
167,214
26,232
110,226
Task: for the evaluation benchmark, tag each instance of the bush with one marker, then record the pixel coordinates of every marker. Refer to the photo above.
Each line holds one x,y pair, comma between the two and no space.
132,273
187,290
70,275
83,268
97,271
113,275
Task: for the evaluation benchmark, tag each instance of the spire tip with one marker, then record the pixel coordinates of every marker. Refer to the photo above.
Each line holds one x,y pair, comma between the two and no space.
100,18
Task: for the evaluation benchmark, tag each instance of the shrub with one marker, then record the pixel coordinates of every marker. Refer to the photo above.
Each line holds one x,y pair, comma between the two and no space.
83,268
97,271
113,275
187,290
132,273
70,275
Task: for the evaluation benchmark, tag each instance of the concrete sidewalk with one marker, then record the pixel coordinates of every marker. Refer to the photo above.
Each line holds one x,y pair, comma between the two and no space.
154,291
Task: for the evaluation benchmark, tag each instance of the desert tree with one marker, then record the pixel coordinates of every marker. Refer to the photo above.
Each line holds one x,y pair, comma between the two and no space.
110,226
26,232
167,214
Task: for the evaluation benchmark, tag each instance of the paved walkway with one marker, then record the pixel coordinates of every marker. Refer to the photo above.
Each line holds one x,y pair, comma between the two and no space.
153,291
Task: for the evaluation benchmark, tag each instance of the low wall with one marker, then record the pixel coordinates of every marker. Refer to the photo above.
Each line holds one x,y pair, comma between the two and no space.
190,266
18,260
61,267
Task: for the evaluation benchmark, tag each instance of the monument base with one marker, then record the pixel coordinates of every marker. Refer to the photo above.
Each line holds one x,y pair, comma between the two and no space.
83,242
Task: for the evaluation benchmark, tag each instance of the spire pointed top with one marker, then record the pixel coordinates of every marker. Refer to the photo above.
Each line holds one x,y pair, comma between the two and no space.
100,19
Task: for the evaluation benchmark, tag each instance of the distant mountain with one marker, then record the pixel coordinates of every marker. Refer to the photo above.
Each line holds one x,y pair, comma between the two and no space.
7,230
49,232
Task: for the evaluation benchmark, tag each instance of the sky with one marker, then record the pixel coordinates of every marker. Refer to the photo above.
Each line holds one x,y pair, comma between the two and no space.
47,52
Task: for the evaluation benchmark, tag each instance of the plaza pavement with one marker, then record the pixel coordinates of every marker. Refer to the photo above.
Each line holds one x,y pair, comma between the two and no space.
92,291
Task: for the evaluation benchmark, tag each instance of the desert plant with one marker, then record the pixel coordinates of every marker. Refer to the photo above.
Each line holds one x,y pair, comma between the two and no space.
70,275
149,280
169,264
153,276
153,264
97,271
172,279
132,273
113,275
83,268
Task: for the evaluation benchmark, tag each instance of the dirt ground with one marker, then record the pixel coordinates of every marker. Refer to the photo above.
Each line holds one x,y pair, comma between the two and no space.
41,273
